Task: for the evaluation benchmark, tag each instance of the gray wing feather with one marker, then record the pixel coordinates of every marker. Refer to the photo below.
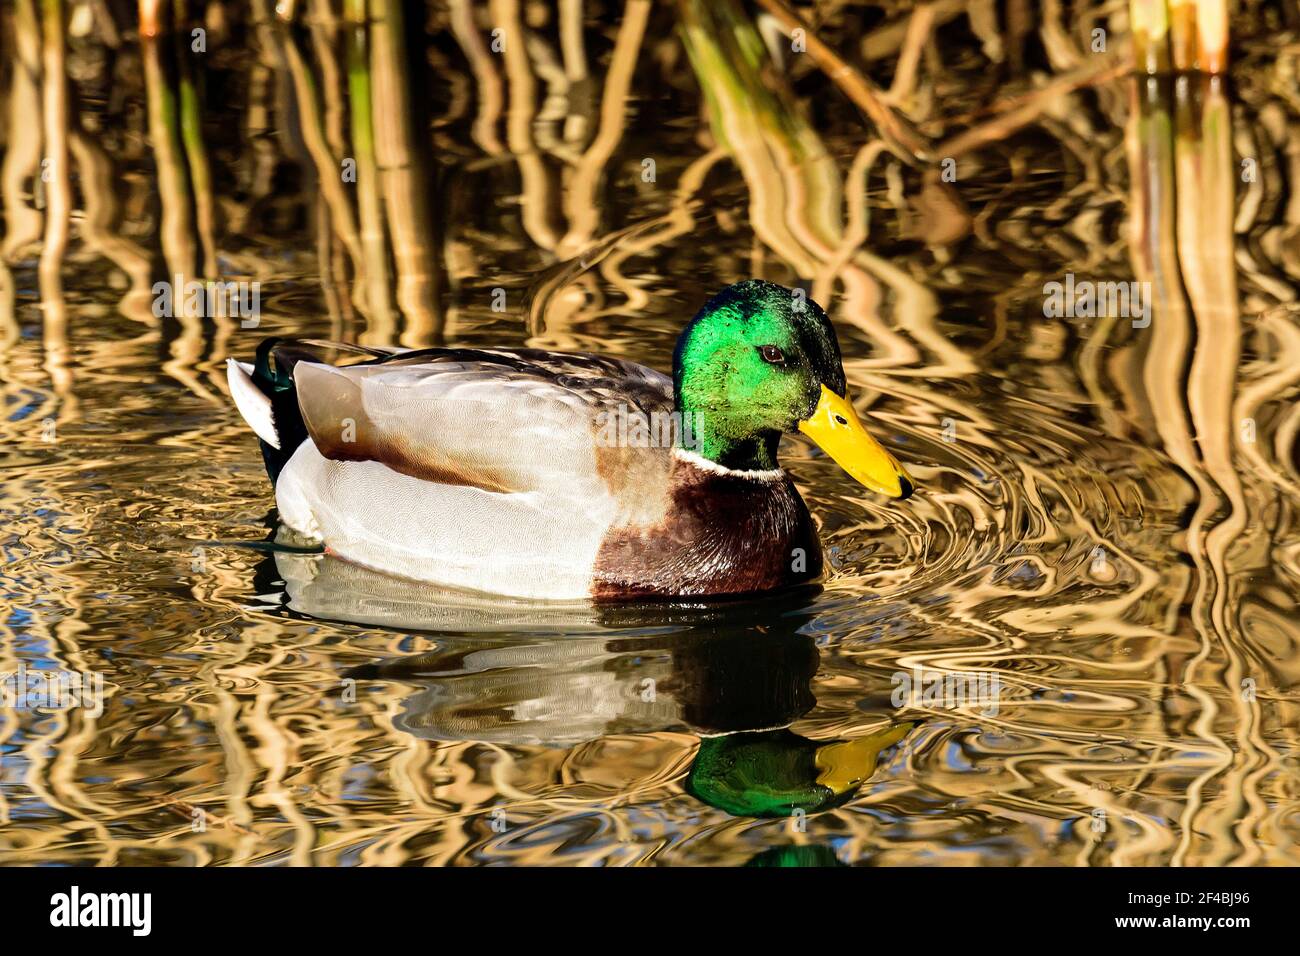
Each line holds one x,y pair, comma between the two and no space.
501,420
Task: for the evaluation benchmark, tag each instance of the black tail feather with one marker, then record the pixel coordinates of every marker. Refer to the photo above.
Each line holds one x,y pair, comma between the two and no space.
274,378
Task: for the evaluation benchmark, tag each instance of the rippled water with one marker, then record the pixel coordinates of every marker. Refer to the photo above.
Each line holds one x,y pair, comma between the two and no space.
1098,528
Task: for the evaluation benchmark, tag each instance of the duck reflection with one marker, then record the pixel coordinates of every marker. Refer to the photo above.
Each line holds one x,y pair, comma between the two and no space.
323,587
561,691
737,674
778,773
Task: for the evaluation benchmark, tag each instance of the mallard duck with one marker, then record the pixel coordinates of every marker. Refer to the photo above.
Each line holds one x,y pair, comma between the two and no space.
567,476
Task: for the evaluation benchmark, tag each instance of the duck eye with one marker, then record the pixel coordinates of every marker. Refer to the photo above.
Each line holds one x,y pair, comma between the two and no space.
772,354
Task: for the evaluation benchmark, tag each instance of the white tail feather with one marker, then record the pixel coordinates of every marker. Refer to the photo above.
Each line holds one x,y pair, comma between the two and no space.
252,404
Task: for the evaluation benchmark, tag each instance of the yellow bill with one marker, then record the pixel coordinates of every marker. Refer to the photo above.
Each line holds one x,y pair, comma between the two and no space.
845,764
835,427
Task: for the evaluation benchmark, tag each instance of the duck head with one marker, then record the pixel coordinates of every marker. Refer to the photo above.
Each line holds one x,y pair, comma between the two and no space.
759,360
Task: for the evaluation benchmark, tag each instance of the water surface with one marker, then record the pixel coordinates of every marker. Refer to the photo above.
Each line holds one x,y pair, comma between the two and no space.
1107,520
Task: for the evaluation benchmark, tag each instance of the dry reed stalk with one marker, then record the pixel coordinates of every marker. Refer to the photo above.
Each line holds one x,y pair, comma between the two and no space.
58,210
196,152
903,139
149,17
1149,24
1182,35
920,28
1207,252
22,152
1030,108
378,308
536,187
1212,35
581,203
177,227
405,177
324,27
1179,35
327,158
101,226
490,96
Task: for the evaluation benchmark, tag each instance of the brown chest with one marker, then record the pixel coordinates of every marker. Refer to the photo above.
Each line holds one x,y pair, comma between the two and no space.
723,533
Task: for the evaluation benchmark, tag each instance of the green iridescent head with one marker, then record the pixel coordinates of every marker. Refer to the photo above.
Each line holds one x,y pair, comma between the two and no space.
759,360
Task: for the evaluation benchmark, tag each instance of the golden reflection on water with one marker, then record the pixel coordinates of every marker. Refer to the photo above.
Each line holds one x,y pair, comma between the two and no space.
1108,515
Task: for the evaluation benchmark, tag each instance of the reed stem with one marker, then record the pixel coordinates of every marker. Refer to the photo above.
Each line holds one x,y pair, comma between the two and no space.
1179,36
1212,35
1149,24
196,152
378,305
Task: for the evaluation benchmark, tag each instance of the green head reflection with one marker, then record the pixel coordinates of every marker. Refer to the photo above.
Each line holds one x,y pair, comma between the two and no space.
785,857
777,773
